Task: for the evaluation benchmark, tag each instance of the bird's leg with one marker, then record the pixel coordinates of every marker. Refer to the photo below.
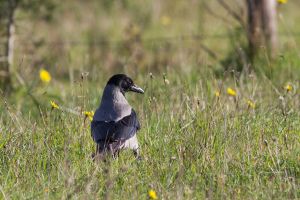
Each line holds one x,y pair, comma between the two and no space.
94,154
98,150
116,151
116,154
99,154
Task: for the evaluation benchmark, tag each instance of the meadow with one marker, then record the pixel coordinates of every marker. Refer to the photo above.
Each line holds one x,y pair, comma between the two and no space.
207,131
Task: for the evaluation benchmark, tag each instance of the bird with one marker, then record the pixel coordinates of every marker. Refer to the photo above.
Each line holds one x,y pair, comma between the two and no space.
115,122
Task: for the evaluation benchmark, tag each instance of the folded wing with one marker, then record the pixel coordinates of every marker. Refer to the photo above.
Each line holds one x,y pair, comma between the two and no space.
112,131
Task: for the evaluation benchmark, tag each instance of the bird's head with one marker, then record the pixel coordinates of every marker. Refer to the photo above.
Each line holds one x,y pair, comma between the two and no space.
124,83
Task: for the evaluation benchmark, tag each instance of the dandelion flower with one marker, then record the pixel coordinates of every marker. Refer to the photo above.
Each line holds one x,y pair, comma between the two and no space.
165,20
251,104
54,105
231,92
45,76
152,194
217,94
282,1
288,88
89,114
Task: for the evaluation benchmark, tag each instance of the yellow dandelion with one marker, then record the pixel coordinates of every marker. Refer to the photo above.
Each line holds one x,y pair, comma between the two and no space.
45,76
165,20
46,190
152,194
231,92
54,105
89,114
282,1
217,93
251,104
288,87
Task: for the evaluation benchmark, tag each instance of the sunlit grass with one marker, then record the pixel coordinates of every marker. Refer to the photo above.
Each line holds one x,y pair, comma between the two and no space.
194,143
206,132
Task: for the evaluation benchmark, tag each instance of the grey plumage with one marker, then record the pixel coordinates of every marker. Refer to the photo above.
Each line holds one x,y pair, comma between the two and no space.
113,106
115,123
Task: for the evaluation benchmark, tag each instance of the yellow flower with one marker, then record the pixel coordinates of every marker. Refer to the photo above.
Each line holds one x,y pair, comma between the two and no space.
282,1
54,105
231,92
45,76
165,20
251,104
89,114
217,94
152,194
288,88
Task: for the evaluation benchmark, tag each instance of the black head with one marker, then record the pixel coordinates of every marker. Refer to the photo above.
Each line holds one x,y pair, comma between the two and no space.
124,83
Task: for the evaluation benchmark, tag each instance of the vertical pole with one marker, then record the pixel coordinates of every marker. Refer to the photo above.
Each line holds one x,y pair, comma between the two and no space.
5,80
254,26
262,26
270,25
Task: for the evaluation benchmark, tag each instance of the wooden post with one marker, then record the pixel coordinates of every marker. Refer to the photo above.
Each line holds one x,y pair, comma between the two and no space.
270,25
262,26
5,80
254,26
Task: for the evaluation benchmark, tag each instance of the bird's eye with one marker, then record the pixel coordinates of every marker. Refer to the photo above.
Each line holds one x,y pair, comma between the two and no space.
129,82
125,85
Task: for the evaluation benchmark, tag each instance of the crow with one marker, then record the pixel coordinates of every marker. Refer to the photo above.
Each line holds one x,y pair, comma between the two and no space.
115,122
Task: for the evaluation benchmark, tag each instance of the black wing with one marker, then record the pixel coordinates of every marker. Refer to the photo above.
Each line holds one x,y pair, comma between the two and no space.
114,131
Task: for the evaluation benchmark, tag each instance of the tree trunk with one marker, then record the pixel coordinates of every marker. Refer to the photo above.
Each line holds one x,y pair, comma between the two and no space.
254,26
5,79
270,25
262,26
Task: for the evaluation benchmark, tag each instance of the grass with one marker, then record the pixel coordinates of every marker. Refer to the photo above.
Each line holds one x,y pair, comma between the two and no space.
194,145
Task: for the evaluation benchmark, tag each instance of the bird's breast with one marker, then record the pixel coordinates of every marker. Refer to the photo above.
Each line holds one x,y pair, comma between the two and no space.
113,106
112,112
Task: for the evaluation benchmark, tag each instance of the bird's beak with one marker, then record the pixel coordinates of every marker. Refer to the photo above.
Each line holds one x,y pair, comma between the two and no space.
137,89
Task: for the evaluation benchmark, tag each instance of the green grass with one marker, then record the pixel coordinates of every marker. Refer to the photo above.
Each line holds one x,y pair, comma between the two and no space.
194,145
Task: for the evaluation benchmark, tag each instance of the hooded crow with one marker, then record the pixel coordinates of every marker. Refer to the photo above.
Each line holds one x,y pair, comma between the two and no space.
115,122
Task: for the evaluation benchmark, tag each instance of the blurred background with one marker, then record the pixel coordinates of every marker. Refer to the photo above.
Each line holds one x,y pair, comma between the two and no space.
139,37
220,113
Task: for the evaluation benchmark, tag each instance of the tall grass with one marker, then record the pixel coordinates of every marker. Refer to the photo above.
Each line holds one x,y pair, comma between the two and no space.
194,144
